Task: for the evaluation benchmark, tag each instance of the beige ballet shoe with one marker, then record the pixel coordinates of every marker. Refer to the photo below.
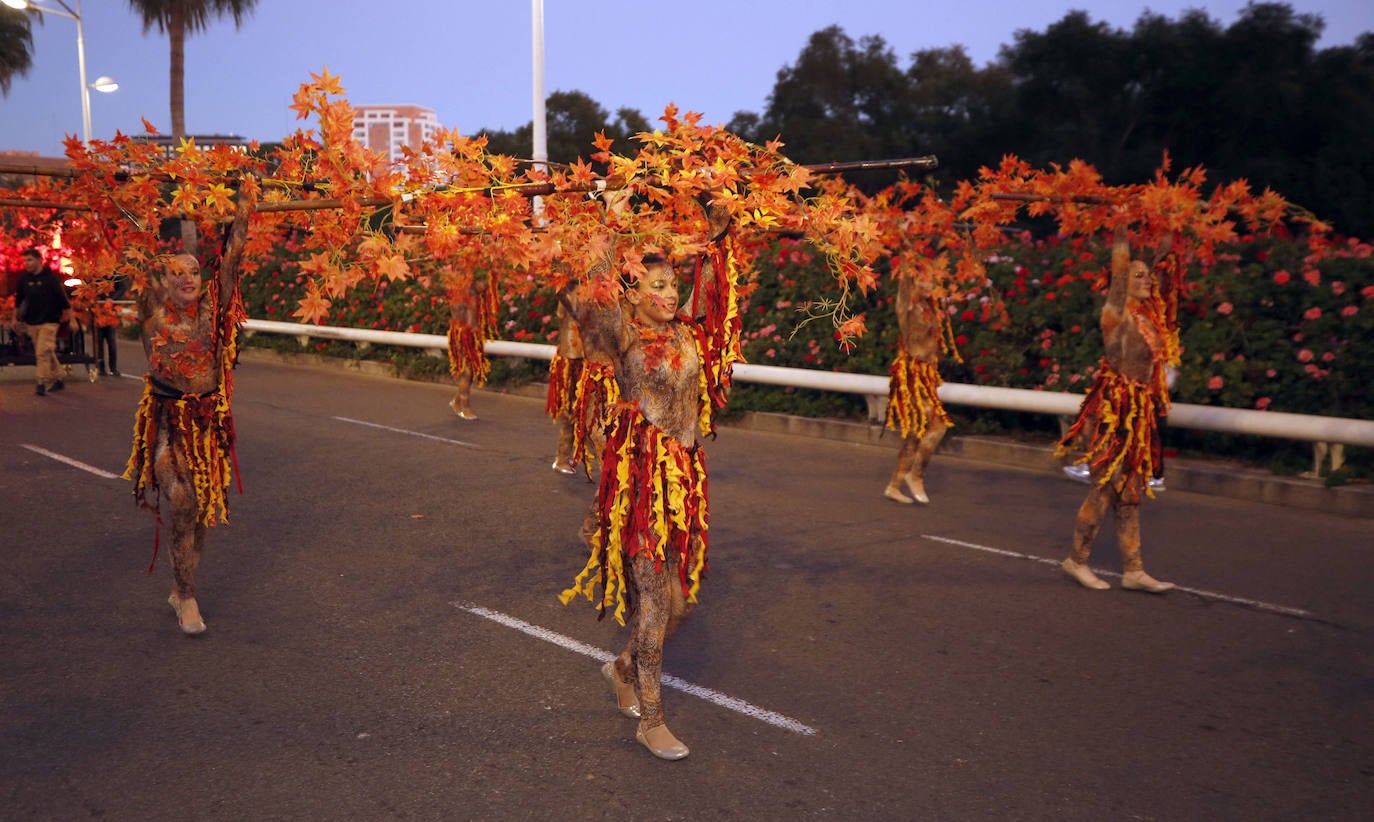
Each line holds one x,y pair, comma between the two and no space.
661,742
624,692
1141,581
1084,575
463,413
917,488
895,494
563,467
188,615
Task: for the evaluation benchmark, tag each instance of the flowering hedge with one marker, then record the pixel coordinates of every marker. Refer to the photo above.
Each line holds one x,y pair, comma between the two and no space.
1260,329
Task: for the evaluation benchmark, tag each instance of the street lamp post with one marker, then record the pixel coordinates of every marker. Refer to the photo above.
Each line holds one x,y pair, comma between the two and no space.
539,124
103,84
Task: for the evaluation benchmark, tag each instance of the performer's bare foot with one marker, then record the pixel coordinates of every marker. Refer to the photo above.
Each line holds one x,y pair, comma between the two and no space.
624,691
463,412
563,467
188,614
1141,581
1084,575
661,742
895,494
916,486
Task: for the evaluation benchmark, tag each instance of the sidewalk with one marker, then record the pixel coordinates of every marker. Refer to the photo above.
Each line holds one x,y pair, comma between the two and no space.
1215,477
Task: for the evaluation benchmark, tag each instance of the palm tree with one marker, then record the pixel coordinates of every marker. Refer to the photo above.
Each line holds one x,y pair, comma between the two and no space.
179,18
16,47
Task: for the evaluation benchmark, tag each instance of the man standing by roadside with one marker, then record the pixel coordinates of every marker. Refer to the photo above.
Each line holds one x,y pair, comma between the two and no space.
41,305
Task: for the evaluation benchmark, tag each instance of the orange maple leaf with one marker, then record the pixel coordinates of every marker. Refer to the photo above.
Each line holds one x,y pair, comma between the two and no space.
326,82
220,197
314,306
393,267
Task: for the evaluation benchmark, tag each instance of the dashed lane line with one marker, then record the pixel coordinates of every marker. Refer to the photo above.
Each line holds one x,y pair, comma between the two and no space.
69,461
712,696
1258,605
405,431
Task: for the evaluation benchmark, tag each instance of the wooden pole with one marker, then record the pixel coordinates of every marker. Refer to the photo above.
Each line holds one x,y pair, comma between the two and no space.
1084,199
9,203
524,189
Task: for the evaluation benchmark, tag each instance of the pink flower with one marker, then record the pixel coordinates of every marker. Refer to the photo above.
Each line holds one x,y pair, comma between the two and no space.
1271,373
1337,288
1282,277
1262,403
1367,292
1312,276
1350,311
1214,383
1328,357
1312,313
1305,355
1225,308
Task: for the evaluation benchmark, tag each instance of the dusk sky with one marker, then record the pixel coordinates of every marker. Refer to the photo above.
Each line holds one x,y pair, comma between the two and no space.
471,62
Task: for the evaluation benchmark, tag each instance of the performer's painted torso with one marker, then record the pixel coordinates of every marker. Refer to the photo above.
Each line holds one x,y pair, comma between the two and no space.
179,330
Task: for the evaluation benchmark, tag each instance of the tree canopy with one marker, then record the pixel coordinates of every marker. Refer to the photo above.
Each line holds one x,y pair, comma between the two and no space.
16,47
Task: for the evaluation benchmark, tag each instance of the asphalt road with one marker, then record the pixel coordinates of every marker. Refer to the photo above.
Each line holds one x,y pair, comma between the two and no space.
385,643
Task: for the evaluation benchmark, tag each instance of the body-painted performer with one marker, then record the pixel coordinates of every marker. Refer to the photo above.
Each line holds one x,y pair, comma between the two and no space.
648,550
913,407
472,317
1119,418
183,451
581,389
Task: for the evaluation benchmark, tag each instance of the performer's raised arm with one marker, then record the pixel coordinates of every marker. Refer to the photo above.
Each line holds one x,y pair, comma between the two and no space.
1120,275
234,243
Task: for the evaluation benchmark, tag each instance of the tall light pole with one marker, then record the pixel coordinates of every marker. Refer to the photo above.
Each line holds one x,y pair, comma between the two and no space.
104,84
539,124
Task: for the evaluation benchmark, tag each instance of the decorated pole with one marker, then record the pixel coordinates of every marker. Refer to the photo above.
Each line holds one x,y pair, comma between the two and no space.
525,189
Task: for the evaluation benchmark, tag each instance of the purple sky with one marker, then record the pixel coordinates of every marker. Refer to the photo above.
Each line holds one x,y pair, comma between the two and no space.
471,62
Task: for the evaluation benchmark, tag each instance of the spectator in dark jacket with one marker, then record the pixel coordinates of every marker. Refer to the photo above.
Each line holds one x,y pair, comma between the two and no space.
41,305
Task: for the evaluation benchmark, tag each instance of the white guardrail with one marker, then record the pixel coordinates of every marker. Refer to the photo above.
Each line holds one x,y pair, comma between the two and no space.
1274,424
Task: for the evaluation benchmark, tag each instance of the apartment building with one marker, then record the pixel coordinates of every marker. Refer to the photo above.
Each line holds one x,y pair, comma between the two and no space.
388,128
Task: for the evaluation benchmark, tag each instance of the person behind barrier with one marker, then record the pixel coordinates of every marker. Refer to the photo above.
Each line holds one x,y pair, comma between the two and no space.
106,318
41,305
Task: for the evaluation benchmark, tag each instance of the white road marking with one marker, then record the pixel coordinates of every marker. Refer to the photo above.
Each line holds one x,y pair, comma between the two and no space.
69,461
715,697
1249,603
404,431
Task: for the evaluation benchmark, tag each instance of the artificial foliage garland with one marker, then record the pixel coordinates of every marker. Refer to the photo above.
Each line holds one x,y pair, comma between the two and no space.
594,395
467,343
652,497
200,428
465,352
564,373
912,401
1124,439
